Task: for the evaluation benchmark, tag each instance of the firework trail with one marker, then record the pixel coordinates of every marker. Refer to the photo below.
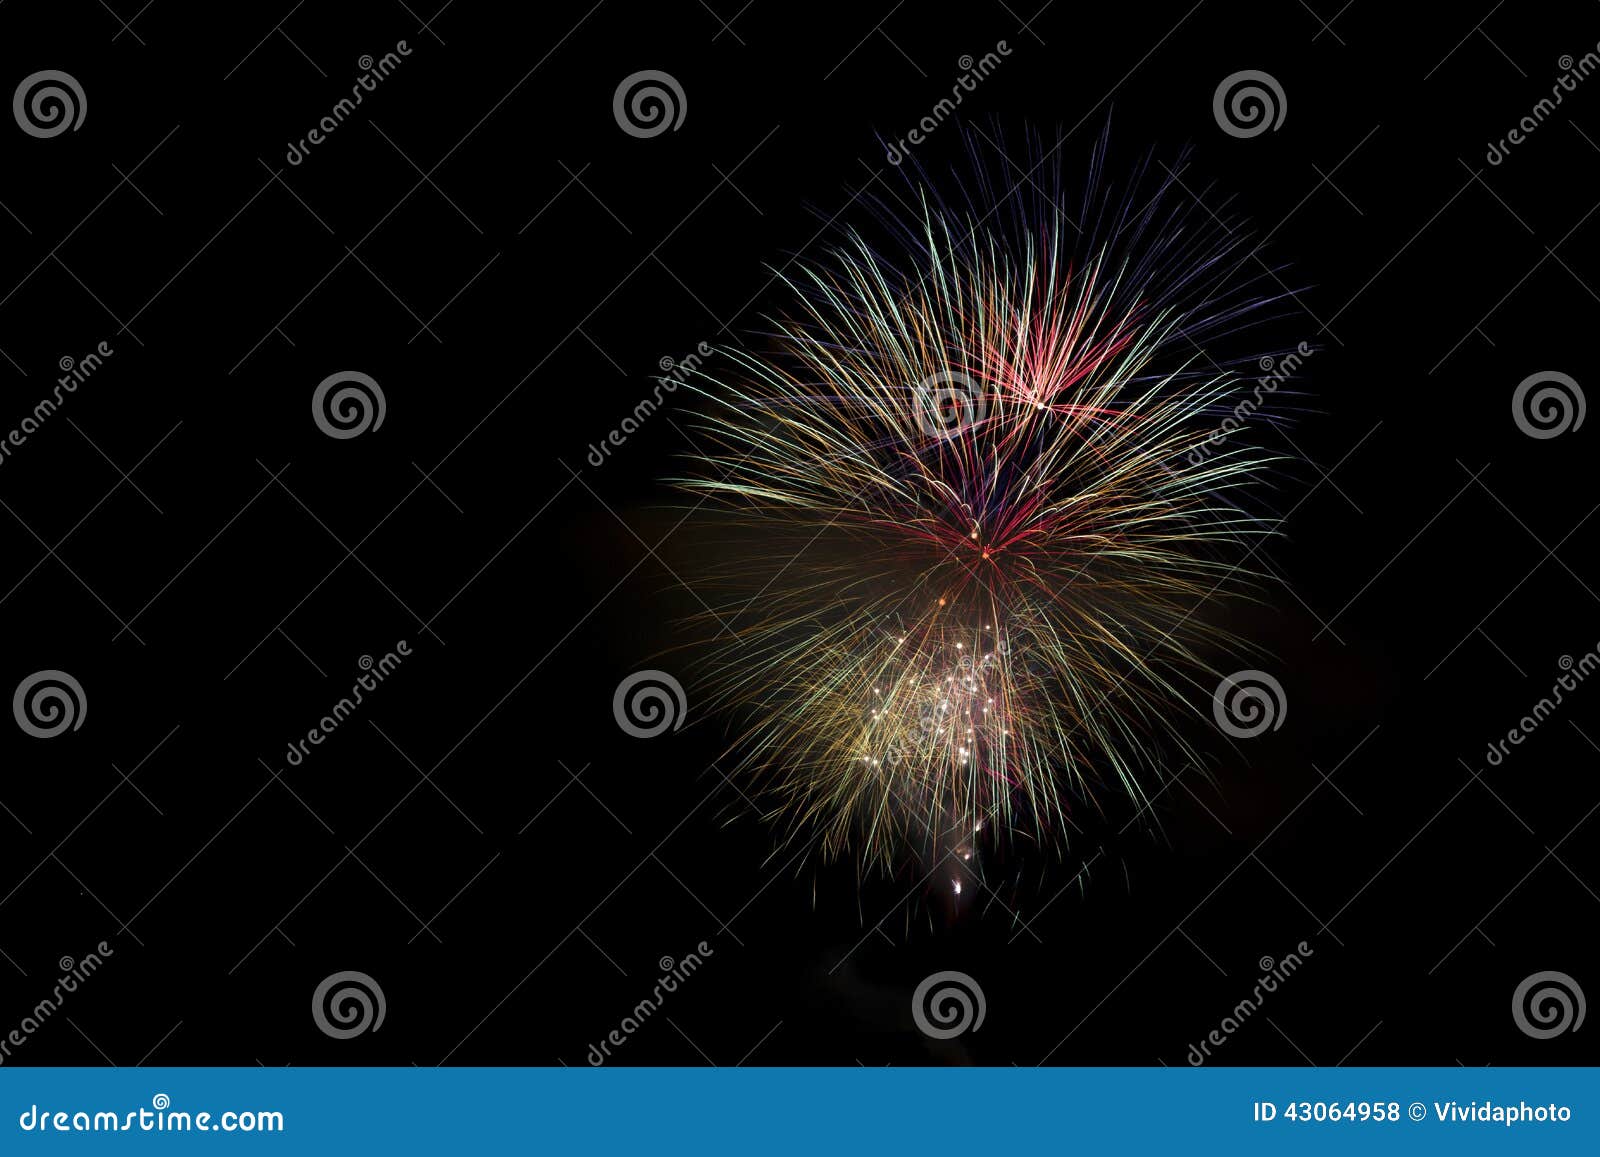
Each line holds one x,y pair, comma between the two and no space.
958,534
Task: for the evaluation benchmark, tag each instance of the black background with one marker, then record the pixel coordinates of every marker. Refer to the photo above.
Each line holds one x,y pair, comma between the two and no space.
439,843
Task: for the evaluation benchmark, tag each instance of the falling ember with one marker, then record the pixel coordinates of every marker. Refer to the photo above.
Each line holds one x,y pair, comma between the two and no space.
1003,375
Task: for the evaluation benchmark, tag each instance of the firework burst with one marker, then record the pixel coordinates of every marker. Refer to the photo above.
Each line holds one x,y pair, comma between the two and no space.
961,530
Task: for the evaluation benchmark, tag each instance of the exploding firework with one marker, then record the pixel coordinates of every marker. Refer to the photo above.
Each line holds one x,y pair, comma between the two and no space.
961,530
